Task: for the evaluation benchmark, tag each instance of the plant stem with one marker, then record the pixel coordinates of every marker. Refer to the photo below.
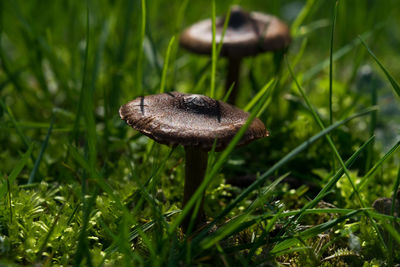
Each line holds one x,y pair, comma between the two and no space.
233,77
195,169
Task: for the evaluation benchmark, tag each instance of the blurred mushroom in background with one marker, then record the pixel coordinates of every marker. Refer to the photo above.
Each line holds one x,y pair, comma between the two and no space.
247,34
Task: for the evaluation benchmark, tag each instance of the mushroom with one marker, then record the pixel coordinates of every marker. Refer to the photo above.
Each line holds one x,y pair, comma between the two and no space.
194,121
247,34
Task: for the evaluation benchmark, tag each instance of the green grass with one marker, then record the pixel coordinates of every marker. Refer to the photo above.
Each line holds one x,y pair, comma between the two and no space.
79,187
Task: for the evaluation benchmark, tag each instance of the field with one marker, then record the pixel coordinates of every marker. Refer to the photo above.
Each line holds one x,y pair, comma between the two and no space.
79,187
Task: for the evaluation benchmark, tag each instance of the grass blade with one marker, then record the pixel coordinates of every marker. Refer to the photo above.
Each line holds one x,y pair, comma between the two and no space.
258,96
214,52
321,125
313,231
16,171
339,54
373,170
234,224
15,124
332,182
331,64
139,67
392,81
342,164
305,11
42,150
165,67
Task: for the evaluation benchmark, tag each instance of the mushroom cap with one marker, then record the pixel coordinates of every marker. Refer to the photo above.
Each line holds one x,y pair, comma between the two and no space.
247,34
190,120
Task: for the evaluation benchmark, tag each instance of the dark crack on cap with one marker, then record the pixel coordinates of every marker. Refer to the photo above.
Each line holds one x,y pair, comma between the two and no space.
190,120
247,34
237,19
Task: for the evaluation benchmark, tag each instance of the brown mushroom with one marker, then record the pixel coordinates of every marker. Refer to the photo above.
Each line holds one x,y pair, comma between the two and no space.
194,121
247,34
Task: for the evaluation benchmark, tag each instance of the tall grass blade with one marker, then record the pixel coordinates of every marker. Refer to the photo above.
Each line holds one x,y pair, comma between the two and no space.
392,81
214,51
342,164
75,132
305,11
165,67
328,138
331,64
139,67
228,93
258,96
373,170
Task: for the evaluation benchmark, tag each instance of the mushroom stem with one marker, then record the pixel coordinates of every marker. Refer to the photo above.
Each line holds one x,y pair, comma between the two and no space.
233,77
195,169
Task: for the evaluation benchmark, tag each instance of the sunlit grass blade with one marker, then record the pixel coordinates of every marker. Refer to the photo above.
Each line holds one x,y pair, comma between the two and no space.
258,96
139,66
280,247
165,67
41,152
221,42
214,51
304,13
228,93
392,81
373,170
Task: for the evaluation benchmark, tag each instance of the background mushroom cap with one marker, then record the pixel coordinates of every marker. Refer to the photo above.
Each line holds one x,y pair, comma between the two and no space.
190,120
247,34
